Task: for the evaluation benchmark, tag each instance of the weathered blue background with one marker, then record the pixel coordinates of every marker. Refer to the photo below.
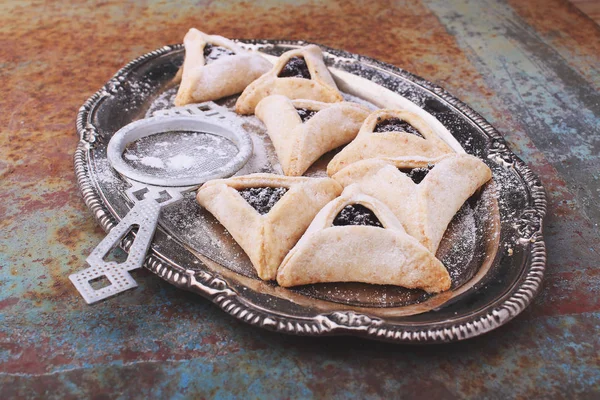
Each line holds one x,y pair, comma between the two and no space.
531,68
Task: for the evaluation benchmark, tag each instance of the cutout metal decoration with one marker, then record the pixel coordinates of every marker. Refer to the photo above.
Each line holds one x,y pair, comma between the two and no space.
150,193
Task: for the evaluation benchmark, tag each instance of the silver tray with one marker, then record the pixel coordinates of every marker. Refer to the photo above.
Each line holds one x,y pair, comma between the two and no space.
496,270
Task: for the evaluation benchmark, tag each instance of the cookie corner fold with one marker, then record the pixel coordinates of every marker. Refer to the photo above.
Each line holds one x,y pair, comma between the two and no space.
320,86
300,141
425,209
266,237
356,253
230,73
421,142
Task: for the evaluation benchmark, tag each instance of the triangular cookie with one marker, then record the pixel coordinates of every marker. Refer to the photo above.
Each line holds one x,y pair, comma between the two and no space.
425,209
368,245
215,67
304,130
266,214
391,133
298,74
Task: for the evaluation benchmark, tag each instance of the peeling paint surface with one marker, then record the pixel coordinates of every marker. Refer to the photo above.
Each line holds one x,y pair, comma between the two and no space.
530,68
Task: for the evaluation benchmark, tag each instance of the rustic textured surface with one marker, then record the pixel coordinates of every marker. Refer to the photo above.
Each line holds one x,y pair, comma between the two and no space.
591,8
530,68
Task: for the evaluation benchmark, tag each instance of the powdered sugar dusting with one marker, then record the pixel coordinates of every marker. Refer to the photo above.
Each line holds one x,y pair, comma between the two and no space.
182,161
458,246
148,161
177,154
358,100
164,101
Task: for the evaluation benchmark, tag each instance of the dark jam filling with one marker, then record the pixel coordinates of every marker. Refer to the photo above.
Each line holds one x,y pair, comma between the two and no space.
396,125
295,68
305,114
356,214
213,53
417,174
263,198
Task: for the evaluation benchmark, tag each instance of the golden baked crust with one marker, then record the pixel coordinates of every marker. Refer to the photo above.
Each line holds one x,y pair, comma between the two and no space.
267,238
320,87
223,77
385,256
424,209
299,144
370,144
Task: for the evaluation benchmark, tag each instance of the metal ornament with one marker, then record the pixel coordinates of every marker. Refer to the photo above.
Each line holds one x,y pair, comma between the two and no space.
149,199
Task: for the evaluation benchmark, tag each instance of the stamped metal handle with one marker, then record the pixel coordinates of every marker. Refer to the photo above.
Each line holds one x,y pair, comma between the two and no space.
143,216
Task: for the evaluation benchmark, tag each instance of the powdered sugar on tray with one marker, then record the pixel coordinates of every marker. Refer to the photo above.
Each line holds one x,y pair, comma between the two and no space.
164,101
358,100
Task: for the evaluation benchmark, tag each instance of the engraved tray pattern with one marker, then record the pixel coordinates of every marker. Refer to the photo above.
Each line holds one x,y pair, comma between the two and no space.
521,252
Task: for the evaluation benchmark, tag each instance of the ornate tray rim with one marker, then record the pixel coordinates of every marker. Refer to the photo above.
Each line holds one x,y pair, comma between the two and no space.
340,322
